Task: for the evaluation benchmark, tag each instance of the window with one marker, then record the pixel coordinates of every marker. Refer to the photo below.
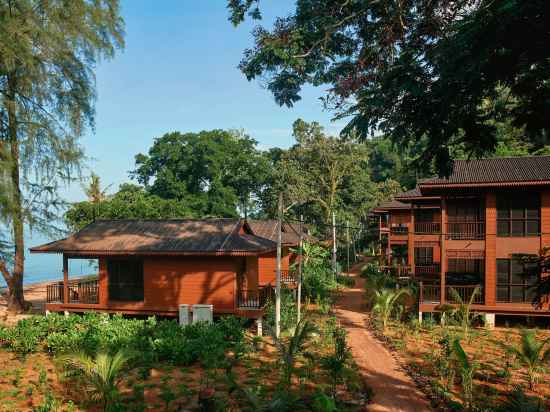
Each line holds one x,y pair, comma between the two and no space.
423,256
465,210
424,216
125,279
518,216
466,266
515,281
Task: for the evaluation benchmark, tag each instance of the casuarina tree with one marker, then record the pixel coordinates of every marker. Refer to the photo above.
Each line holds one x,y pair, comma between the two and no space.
48,51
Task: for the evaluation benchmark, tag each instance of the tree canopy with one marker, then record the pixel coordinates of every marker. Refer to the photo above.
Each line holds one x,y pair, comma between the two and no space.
215,173
48,51
413,69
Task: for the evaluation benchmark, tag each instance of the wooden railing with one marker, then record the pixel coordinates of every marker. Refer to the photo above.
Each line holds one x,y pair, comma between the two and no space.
427,227
254,299
397,270
431,293
465,230
399,230
287,277
432,269
465,293
80,291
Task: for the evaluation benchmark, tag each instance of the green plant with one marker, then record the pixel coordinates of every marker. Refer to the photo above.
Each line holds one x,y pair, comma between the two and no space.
323,403
517,401
291,348
466,369
166,393
335,364
531,353
462,312
102,373
289,312
385,302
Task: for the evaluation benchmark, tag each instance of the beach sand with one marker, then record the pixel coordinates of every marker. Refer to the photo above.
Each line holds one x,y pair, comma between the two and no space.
35,293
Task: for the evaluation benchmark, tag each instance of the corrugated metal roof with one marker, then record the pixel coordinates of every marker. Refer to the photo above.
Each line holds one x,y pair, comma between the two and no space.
393,204
267,229
174,236
496,170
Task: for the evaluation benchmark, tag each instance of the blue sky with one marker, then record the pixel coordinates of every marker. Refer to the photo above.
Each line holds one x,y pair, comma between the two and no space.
179,72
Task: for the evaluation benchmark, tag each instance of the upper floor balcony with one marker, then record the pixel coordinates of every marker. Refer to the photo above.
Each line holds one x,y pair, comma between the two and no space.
427,228
399,229
466,230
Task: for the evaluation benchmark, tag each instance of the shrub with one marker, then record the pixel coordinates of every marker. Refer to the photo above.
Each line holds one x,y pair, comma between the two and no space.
289,312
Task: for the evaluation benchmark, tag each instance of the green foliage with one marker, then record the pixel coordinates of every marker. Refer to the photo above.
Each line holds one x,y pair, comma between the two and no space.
317,274
289,313
290,349
531,353
102,374
462,313
413,73
48,51
386,301
335,364
155,340
217,173
130,202
518,401
466,370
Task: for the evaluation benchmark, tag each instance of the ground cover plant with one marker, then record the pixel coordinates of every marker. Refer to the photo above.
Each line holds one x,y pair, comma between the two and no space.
110,363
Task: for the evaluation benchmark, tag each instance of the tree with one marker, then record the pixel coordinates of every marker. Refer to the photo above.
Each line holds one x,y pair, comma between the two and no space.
323,174
385,302
411,69
214,173
532,353
130,202
466,369
47,54
103,374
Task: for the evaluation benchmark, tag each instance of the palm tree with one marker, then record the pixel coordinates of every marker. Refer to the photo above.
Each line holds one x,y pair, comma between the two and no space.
385,301
95,194
293,347
463,310
103,374
533,354
466,369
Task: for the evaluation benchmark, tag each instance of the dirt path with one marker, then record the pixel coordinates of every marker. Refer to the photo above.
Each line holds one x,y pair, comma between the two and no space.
393,389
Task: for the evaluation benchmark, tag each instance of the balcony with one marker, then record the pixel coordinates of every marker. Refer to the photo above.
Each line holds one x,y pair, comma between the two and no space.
466,230
399,230
80,291
427,228
397,270
430,293
254,299
431,269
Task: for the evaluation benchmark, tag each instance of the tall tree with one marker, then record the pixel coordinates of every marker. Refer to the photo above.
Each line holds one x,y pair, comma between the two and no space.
412,69
48,50
323,174
214,173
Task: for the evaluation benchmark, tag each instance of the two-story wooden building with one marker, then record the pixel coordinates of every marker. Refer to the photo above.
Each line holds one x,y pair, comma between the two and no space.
153,266
463,231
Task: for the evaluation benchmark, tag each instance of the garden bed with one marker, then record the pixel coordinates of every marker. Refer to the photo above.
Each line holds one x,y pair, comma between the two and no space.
422,352
163,376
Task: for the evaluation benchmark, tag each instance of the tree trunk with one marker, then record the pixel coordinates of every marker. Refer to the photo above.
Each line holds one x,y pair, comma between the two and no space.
16,301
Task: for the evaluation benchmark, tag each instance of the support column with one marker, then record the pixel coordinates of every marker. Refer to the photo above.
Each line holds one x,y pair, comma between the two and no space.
490,248
490,320
260,326
420,317
65,279
443,257
410,242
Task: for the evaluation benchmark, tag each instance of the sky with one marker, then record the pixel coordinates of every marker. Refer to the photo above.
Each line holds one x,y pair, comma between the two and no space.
178,72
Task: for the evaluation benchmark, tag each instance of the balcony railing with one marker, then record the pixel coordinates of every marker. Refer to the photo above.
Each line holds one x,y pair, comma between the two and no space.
80,291
433,269
399,230
254,299
431,293
465,293
427,227
466,230
288,277
397,270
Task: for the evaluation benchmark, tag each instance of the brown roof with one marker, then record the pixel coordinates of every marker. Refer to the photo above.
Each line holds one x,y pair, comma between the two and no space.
409,193
392,204
267,229
178,237
497,171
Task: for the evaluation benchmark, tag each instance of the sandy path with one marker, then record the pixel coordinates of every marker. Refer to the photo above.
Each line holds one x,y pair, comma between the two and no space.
34,293
393,389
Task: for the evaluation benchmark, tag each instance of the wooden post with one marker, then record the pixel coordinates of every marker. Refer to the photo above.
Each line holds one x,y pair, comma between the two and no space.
278,270
334,266
65,279
347,245
443,247
299,291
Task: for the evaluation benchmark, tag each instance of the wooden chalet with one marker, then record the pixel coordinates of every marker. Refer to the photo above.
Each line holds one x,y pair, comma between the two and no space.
463,231
152,266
